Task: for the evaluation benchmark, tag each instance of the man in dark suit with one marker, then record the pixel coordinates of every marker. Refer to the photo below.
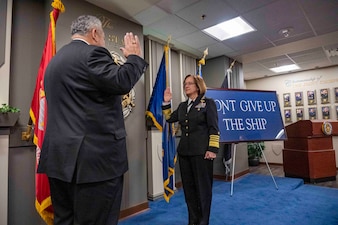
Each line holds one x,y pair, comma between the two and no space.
84,149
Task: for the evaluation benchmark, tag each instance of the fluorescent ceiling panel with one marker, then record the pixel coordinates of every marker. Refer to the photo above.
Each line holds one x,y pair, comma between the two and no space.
285,68
228,29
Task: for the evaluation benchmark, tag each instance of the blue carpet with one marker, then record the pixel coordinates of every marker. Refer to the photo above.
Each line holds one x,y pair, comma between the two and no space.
255,200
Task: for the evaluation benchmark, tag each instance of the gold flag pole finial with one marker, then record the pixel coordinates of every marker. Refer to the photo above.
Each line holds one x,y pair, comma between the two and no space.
57,4
202,60
229,72
168,43
166,52
169,40
232,64
205,53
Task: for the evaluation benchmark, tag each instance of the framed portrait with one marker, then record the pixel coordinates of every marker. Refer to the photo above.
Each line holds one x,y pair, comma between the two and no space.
287,115
312,113
336,94
299,98
324,95
286,98
311,97
326,112
300,113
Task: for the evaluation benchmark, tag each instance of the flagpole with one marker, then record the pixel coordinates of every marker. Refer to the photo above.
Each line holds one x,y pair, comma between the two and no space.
168,140
229,73
155,112
233,145
59,7
202,62
168,65
167,62
38,118
172,125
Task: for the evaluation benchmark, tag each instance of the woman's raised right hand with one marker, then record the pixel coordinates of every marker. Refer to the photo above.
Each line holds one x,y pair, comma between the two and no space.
167,95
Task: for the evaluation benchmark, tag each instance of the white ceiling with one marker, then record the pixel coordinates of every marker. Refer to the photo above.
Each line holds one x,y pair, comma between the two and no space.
314,24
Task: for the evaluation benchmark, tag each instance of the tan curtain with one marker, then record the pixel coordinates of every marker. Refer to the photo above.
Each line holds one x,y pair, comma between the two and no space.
181,64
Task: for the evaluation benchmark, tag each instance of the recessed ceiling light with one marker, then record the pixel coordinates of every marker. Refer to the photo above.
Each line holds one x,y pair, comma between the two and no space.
230,28
286,32
285,68
331,52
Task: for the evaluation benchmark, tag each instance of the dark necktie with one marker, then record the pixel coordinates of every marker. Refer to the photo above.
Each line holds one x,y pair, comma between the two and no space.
189,105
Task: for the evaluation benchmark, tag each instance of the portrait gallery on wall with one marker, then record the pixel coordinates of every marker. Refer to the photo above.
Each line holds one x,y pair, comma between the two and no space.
325,106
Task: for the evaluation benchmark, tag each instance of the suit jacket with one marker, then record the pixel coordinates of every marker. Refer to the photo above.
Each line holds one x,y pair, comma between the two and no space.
199,126
85,133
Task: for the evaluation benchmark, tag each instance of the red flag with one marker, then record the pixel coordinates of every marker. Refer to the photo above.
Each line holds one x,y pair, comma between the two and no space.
38,113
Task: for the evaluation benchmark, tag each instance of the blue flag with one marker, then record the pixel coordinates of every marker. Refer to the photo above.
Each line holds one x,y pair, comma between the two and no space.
154,111
168,161
225,82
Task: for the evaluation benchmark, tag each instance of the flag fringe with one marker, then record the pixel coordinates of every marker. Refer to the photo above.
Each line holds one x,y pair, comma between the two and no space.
48,217
157,125
168,192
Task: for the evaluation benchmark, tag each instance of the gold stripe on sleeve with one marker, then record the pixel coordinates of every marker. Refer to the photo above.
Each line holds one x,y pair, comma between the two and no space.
167,113
214,140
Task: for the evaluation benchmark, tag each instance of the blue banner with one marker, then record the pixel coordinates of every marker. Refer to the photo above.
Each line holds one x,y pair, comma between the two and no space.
248,115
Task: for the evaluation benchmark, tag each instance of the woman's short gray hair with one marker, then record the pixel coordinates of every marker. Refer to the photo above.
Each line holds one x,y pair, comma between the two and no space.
84,24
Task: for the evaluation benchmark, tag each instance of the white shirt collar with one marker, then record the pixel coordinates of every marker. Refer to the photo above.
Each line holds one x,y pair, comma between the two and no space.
80,39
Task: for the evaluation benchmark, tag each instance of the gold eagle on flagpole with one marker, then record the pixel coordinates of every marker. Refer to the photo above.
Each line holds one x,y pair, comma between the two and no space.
202,60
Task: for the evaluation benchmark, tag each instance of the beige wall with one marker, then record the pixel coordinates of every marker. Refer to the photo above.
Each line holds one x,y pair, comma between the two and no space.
115,28
317,79
4,69
313,80
4,139
17,82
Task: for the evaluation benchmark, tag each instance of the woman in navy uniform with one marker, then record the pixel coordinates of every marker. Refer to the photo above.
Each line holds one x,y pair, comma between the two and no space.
198,145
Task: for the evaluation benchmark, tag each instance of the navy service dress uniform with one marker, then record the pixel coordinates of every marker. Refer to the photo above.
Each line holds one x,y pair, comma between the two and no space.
200,133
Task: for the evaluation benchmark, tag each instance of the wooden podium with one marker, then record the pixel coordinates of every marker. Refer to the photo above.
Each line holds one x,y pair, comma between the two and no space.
308,152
